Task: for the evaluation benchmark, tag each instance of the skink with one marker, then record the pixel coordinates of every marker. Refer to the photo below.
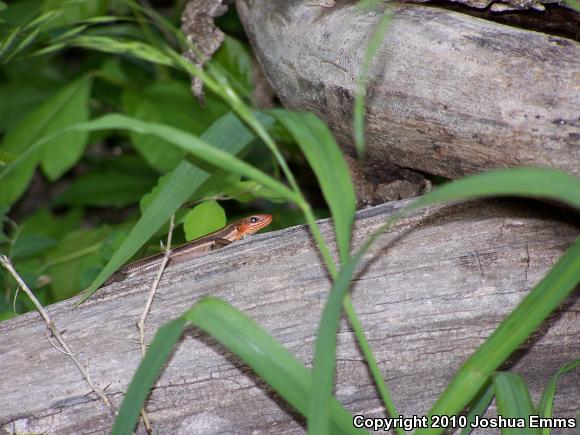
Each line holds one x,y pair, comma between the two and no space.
218,239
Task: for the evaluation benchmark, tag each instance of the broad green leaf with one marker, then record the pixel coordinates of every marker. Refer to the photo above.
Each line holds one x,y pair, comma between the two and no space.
76,253
18,13
3,213
196,146
74,11
227,134
327,162
44,223
203,219
27,245
233,58
107,188
169,103
20,97
54,115
546,405
59,156
513,402
14,184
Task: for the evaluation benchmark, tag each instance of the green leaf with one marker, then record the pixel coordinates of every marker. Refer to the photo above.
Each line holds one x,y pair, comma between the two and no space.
54,115
527,182
203,219
74,11
76,253
244,337
546,405
196,146
267,357
325,350
109,44
531,182
233,58
147,372
245,191
27,245
44,223
513,401
170,103
574,4
107,188
362,82
20,97
511,333
478,409
61,155
216,184
324,156
227,134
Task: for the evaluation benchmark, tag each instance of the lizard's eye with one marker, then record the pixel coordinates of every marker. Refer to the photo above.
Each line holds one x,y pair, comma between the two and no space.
253,219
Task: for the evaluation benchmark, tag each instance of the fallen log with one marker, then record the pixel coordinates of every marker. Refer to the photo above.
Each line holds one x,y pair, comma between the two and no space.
429,294
448,94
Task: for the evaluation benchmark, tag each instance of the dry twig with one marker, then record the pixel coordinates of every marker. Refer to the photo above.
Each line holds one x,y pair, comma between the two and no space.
143,318
65,349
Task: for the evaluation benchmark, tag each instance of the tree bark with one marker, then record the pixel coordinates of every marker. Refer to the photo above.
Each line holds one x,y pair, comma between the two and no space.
431,292
448,94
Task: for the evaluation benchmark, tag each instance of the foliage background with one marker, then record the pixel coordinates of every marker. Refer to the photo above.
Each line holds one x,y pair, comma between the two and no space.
68,209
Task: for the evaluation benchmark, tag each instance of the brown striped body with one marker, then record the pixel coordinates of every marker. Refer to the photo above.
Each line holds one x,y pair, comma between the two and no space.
218,239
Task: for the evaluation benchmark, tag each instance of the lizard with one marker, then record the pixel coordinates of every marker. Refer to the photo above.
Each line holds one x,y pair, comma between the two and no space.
195,248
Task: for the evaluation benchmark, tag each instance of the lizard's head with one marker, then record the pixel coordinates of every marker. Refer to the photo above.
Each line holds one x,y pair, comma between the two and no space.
253,224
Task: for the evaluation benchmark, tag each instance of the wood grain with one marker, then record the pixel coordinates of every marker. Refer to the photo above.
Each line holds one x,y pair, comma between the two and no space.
434,289
449,94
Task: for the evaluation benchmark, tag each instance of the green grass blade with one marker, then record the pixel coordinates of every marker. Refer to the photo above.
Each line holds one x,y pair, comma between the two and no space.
267,357
479,407
538,183
325,352
546,405
513,401
189,143
228,134
544,183
510,334
147,372
362,83
324,156
574,4
244,337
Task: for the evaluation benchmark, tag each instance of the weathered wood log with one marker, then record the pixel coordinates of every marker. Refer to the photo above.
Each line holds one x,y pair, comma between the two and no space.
434,288
448,94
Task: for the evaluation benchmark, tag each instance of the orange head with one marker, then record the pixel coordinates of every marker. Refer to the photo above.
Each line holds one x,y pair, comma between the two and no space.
253,224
